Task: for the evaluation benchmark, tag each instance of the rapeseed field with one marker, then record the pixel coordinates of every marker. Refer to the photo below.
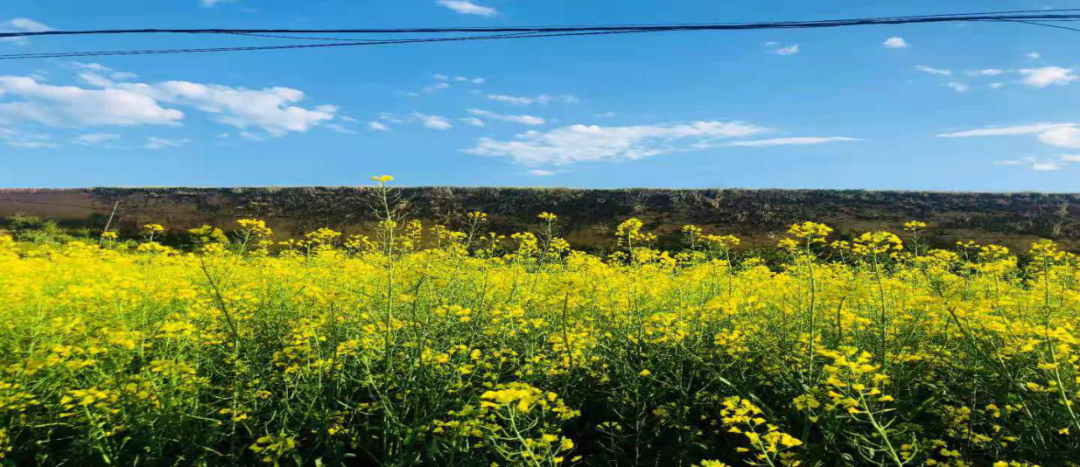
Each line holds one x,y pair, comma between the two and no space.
422,345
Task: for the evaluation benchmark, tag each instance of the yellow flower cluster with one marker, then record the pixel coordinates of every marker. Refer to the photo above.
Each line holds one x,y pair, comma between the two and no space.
454,345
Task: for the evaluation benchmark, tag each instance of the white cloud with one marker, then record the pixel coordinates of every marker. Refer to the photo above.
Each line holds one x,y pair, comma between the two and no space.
376,125
1047,76
443,82
789,50
21,25
605,114
96,138
958,87
19,139
389,117
895,43
1042,166
95,80
1008,130
792,141
272,110
466,7
933,71
269,109
1070,157
1033,55
1033,163
541,173
996,85
433,122
28,25
213,3
522,119
542,99
154,142
71,106
90,66
472,121
986,72
339,128
1062,137
586,143
436,87
513,100
95,73
32,144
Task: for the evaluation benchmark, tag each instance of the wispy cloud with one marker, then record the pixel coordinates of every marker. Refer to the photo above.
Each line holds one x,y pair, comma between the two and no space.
96,74
213,3
376,125
541,173
25,140
21,25
1062,135
96,138
522,119
785,50
542,99
466,7
789,50
1033,163
443,82
933,71
585,143
792,141
433,122
1007,130
958,87
154,142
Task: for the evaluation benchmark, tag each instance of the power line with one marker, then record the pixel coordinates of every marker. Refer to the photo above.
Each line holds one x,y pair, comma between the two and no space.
342,39
303,46
1030,17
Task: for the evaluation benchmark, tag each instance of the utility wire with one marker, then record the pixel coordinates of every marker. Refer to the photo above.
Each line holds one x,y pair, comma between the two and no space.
1033,23
303,46
1030,17
342,39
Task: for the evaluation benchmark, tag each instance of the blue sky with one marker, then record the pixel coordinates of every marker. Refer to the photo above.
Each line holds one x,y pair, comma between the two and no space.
980,107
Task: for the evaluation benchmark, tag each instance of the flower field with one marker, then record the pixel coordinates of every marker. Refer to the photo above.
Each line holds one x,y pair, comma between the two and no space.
426,346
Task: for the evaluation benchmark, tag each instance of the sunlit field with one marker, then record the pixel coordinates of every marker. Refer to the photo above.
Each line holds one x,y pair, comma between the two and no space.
425,345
